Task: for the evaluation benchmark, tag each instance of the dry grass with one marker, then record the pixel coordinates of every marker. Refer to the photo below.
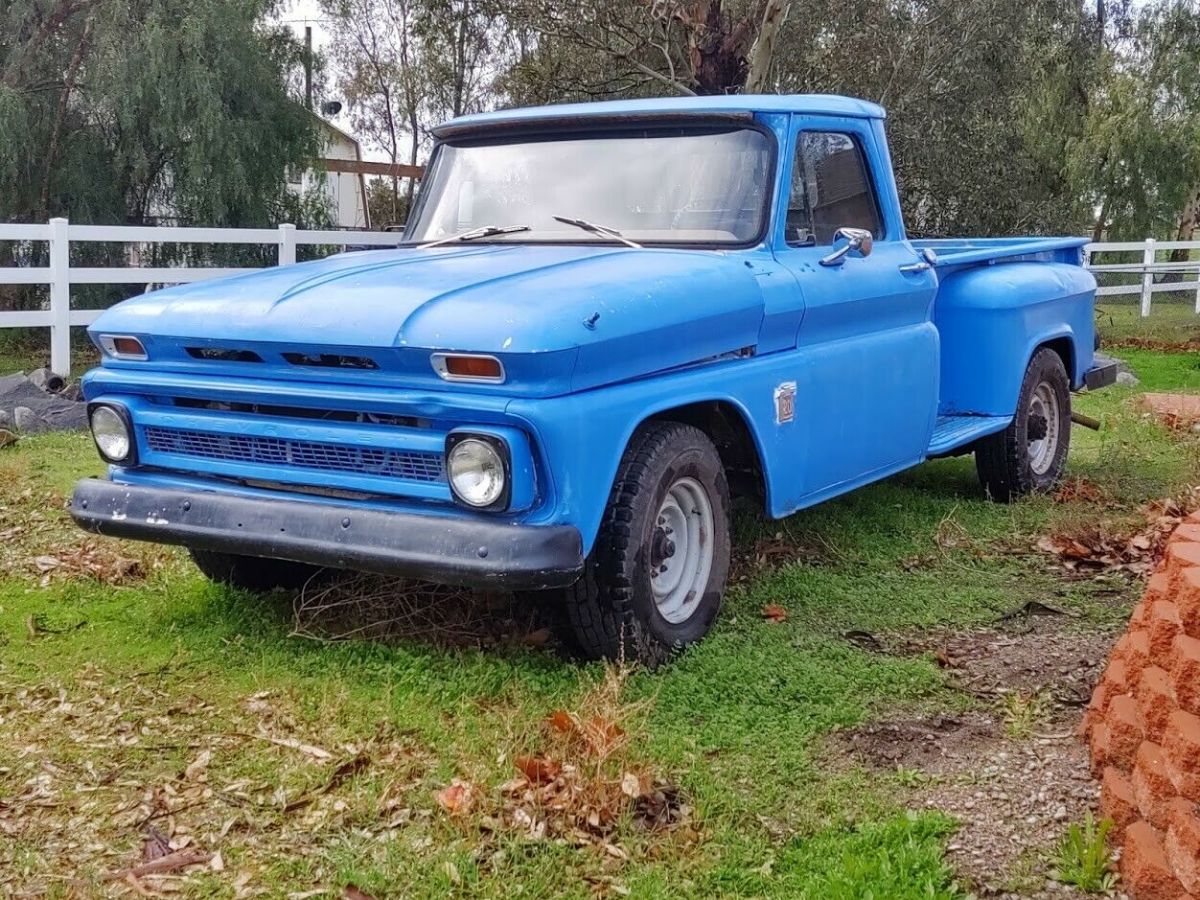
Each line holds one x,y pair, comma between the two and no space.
370,607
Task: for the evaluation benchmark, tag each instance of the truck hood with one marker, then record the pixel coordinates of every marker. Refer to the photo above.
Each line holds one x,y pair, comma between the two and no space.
612,312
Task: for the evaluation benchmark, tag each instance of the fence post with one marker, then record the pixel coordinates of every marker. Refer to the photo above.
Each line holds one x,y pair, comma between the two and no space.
287,245
60,298
1147,276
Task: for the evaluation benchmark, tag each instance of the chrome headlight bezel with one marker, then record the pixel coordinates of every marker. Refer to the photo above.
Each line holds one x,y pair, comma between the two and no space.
499,449
113,413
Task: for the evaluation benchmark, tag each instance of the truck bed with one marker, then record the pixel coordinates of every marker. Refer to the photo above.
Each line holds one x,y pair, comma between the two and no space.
963,252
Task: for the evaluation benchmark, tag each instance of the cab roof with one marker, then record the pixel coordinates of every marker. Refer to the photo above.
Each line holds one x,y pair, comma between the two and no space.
722,105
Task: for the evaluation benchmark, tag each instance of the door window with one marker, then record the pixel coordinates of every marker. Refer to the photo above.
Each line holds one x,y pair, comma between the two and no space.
831,189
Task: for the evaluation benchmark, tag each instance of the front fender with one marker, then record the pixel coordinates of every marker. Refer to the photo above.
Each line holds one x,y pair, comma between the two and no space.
583,436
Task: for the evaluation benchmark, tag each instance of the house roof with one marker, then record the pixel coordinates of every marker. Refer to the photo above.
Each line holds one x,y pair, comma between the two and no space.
724,105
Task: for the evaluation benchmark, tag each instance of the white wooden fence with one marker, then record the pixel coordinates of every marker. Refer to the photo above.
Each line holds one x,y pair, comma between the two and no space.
60,275
1146,267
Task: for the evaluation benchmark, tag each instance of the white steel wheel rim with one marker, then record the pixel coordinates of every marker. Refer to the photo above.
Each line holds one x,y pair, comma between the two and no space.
681,550
1043,408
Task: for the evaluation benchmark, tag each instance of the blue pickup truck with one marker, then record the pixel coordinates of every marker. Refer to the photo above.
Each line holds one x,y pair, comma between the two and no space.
603,322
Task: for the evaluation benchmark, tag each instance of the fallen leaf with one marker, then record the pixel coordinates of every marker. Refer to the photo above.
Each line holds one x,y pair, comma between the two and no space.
538,769
773,612
631,785
196,769
562,721
457,798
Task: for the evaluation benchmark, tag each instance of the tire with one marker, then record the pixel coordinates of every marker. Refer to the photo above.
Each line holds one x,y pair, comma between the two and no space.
668,505
1029,456
251,573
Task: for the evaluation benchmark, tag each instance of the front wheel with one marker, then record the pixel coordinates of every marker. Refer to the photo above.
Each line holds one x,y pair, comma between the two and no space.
1029,456
654,580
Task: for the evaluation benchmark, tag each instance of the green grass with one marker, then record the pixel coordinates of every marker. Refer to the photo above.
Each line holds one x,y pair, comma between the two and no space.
1172,320
154,671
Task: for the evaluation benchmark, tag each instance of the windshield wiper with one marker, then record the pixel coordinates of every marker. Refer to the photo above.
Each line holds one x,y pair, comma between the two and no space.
602,230
476,233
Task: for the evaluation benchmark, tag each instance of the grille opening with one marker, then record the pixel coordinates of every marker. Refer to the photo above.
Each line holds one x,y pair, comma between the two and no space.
298,412
223,354
331,361
410,465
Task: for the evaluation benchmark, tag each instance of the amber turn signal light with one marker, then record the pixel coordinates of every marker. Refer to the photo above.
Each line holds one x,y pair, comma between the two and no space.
468,367
122,346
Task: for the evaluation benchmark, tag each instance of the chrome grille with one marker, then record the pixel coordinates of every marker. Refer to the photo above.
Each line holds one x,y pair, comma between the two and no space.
406,464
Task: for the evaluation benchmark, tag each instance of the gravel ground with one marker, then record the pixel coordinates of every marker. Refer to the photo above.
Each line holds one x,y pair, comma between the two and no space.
1013,773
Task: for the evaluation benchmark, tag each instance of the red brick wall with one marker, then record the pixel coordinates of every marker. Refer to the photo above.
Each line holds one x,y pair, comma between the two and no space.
1143,726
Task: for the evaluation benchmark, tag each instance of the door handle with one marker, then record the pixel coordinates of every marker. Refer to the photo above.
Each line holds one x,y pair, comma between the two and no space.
927,261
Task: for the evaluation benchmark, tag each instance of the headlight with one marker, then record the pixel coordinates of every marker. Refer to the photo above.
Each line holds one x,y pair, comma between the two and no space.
476,468
111,433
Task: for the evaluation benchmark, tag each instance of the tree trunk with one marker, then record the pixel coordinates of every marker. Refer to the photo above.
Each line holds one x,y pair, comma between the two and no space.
762,54
1189,221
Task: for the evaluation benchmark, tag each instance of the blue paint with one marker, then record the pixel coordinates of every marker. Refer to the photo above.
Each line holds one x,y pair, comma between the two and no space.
893,362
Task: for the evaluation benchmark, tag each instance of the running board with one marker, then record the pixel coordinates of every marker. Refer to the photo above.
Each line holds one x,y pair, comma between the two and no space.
952,432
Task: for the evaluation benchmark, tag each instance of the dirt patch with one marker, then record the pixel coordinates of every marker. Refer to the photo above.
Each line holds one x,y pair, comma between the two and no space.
1041,652
1012,772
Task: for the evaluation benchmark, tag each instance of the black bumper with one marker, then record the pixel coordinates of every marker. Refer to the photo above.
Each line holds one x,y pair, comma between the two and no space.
467,552
1102,374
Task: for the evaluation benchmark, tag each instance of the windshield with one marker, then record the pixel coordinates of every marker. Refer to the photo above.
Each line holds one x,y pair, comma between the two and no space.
682,186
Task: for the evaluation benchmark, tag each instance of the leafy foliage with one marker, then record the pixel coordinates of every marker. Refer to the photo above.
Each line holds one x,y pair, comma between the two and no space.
127,111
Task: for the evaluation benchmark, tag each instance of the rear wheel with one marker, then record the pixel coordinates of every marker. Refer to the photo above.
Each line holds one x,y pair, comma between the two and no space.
251,573
654,580
1029,456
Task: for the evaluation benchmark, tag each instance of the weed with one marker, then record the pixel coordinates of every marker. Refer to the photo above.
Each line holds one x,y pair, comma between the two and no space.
1083,859
1023,711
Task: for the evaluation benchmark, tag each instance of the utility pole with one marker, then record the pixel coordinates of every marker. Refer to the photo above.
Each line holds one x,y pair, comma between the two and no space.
308,67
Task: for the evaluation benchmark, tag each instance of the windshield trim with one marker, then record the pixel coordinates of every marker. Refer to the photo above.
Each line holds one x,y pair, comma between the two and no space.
537,130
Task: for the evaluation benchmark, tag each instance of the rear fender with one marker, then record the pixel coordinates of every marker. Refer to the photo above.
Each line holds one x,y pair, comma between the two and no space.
992,319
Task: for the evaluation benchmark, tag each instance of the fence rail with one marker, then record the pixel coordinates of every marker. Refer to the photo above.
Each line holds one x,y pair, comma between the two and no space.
59,275
1148,267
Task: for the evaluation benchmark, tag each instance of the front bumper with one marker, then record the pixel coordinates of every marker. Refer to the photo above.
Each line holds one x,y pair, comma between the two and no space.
468,552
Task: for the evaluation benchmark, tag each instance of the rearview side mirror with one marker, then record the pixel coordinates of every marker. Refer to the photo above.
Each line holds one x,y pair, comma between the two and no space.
858,243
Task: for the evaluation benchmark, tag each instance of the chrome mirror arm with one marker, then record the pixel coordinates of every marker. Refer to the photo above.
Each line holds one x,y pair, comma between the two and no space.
858,242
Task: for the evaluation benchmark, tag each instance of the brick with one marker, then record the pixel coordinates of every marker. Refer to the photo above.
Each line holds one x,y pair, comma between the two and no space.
1112,684
1099,746
1180,557
1188,531
1120,648
1155,700
1137,654
1185,673
1153,787
1125,732
1185,591
1117,801
1182,843
1181,744
1144,866
1162,624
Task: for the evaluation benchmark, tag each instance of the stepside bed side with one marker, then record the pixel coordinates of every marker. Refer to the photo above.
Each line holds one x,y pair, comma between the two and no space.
991,319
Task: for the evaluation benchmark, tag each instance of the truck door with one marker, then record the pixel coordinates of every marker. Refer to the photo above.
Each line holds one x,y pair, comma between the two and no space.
866,350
